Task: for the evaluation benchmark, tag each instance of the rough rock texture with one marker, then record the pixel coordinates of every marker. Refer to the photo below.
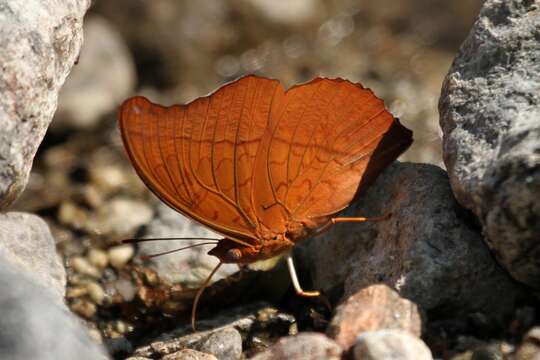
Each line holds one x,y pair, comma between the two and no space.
27,242
529,349
373,308
490,111
103,78
305,346
188,354
40,42
390,344
187,266
34,325
226,333
428,250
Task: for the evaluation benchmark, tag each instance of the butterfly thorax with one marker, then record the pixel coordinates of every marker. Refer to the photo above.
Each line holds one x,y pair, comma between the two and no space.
268,244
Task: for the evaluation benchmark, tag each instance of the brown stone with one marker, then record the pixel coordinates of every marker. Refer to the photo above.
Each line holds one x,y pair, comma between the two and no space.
373,308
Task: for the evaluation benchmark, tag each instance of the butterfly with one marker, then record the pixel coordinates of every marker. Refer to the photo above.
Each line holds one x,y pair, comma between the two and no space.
263,166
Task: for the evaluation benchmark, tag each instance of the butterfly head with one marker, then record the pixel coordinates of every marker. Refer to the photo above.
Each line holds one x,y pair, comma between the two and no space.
229,251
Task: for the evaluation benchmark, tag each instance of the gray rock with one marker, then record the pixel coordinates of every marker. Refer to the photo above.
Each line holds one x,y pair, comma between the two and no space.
188,354
305,346
490,111
34,325
225,344
27,242
225,334
390,344
103,78
190,266
40,42
427,250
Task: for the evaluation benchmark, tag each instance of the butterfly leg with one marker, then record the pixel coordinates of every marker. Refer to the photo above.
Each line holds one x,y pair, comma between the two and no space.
360,219
296,283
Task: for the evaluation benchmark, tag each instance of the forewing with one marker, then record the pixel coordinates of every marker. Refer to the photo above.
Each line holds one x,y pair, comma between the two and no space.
199,158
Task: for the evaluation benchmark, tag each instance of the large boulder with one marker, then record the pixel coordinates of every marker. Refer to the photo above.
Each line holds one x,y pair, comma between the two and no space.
40,42
490,116
429,250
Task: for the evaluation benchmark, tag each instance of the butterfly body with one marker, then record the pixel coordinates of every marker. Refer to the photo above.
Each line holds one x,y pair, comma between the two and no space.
263,166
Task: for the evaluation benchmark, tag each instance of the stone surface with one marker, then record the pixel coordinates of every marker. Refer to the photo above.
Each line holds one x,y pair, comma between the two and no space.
428,250
102,79
390,344
373,308
186,266
188,354
529,349
305,346
27,242
34,325
489,107
40,42
223,335
288,13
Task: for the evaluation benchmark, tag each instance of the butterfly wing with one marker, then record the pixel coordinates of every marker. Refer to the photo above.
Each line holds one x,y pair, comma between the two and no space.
199,158
327,138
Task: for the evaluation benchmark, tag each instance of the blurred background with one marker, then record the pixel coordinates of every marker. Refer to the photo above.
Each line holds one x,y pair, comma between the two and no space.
173,51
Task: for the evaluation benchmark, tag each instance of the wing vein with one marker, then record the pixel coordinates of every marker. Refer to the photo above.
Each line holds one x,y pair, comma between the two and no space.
330,161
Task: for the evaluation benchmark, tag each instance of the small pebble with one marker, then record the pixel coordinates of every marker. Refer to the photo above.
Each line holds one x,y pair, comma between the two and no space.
76,292
108,177
72,215
189,354
84,308
96,292
96,335
121,216
120,255
125,288
98,258
121,327
82,266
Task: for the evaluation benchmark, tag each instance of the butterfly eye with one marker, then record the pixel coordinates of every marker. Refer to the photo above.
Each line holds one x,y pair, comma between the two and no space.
234,254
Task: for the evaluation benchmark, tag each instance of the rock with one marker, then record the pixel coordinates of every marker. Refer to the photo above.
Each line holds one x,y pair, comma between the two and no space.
103,77
34,325
390,344
428,250
98,258
489,107
96,292
120,255
82,266
376,307
304,346
27,242
121,216
529,349
186,266
225,334
224,344
40,42
188,354
290,13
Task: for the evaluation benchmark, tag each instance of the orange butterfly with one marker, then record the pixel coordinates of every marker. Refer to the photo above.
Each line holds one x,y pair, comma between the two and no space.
263,166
